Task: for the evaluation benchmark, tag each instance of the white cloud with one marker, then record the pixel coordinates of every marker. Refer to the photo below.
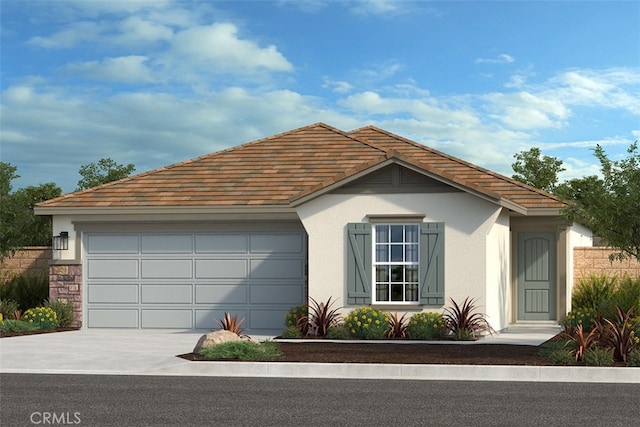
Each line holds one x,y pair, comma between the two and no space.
503,58
337,86
375,7
219,46
135,30
73,35
126,69
613,88
524,110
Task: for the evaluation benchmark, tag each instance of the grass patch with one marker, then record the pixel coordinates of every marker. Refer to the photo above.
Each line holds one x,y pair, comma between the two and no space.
549,347
243,350
11,325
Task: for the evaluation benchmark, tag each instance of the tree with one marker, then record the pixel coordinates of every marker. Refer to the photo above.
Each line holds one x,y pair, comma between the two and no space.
610,206
106,170
19,227
536,170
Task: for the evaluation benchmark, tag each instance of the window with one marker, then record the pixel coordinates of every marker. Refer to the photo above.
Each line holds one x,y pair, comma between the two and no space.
396,263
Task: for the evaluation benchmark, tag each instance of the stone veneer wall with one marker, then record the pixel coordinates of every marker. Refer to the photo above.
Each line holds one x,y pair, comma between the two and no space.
65,282
28,260
595,260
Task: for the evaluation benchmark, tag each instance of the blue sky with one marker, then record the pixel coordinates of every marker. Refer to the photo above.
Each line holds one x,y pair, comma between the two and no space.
157,82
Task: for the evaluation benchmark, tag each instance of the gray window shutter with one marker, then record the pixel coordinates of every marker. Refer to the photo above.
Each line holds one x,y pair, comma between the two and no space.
432,263
359,263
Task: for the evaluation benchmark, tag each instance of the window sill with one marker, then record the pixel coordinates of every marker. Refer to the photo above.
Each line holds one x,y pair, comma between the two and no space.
398,307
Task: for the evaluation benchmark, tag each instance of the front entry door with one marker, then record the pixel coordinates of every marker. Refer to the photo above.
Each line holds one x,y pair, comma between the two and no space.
536,276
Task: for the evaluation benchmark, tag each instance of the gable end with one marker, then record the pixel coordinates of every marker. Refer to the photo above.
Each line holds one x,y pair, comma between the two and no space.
397,179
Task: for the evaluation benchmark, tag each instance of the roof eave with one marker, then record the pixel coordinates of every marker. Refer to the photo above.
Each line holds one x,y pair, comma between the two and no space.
166,210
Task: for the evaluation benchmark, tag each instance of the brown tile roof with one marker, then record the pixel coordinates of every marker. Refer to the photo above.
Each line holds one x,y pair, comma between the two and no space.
278,170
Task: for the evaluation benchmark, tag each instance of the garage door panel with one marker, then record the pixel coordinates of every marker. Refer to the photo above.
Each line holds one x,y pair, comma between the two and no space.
221,243
207,318
276,243
112,318
166,294
272,320
221,268
189,280
276,268
167,243
167,319
221,294
166,269
112,269
112,244
112,293
275,294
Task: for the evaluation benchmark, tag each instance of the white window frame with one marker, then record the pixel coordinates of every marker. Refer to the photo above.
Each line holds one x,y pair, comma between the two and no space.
375,263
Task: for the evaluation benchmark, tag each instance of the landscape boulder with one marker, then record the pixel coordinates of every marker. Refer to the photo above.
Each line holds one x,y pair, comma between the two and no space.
213,338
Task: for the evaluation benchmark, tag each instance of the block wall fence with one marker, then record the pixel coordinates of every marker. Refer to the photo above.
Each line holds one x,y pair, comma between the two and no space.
595,260
29,260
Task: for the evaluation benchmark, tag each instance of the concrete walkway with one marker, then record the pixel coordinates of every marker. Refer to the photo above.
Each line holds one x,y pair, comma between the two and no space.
117,352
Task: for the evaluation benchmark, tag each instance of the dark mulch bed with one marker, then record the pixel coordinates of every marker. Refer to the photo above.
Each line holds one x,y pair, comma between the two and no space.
450,354
37,332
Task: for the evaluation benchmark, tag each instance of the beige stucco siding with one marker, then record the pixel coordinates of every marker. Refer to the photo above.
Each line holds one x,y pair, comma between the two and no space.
468,221
578,236
498,258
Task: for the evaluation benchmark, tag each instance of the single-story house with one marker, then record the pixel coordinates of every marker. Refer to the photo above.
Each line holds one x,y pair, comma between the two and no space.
365,217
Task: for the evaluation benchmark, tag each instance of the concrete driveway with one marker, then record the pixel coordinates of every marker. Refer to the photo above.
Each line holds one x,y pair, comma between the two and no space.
135,352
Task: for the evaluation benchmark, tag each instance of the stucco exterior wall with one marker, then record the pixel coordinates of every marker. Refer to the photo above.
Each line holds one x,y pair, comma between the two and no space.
468,220
498,258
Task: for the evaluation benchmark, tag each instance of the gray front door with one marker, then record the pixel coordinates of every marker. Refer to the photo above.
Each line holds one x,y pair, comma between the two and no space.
536,276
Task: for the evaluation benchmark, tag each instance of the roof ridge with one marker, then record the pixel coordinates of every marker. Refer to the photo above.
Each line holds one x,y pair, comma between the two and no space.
460,161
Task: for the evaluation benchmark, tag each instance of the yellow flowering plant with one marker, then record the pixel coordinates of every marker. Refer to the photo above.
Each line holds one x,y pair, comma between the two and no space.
42,317
298,317
580,316
425,326
368,323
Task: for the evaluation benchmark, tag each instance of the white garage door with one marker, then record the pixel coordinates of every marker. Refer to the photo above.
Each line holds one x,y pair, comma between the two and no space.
188,280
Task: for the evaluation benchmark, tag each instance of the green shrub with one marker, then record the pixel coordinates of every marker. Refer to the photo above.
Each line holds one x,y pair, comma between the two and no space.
562,357
548,347
243,350
580,316
367,323
633,359
12,325
298,317
293,316
339,332
598,356
26,289
7,308
291,332
41,317
626,296
64,311
425,326
594,291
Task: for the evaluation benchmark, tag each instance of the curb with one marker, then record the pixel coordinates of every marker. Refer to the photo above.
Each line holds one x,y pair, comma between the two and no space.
577,374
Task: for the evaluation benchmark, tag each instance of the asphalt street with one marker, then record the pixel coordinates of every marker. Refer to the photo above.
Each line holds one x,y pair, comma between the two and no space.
105,400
